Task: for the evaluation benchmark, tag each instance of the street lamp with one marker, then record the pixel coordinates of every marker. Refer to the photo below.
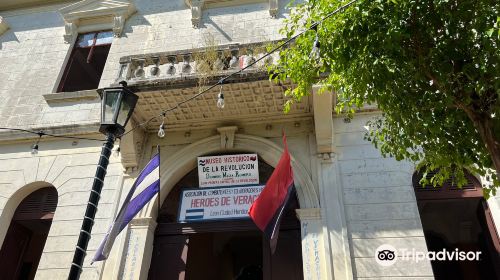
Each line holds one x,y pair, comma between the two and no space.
117,106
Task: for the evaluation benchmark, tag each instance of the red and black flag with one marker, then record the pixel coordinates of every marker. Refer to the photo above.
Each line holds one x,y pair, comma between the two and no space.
268,209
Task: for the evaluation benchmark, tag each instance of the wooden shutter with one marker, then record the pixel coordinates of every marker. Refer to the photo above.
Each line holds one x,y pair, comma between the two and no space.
286,262
40,204
448,190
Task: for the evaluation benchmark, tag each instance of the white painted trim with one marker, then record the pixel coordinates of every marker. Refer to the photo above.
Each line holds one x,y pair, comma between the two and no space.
323,103
331,194
197,7
3,26
180,163
14,200
183,161
95,15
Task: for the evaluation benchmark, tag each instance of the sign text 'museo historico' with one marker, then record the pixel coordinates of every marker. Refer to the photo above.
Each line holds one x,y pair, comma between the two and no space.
228,170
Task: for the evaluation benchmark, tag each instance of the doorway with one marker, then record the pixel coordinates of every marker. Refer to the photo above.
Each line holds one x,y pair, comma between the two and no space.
223,250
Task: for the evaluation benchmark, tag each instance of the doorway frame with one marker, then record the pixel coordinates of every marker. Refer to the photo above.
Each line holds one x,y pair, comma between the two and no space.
134,255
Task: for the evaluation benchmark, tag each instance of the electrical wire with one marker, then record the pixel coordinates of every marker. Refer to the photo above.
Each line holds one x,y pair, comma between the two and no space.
221,81
42,133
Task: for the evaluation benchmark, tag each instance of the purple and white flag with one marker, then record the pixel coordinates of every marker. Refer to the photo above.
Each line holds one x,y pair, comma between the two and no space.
144,188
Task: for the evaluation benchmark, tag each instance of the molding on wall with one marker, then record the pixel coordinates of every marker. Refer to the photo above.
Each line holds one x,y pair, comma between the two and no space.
83,130
94,15
323,103
71,96
227,136
197,7
304,214
3,26
131,147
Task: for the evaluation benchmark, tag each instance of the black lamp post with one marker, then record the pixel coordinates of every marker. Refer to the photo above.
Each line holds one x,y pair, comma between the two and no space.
117,105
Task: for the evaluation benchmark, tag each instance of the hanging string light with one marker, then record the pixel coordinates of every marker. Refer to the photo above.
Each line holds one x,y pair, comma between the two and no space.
220,99
34,147
161,131
117,152
315,54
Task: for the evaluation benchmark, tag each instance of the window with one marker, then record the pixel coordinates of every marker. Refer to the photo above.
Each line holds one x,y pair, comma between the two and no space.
85,66
458,218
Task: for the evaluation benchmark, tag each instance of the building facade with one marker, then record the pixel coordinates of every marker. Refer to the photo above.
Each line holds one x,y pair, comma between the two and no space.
350,199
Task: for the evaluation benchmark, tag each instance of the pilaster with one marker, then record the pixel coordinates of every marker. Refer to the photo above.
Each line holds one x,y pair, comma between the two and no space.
315,258
331,197
139,249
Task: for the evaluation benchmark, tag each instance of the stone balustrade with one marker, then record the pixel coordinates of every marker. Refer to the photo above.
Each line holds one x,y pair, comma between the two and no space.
191,64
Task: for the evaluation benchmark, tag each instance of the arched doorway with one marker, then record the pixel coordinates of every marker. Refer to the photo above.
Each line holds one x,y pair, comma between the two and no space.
222,249
27,233
458,218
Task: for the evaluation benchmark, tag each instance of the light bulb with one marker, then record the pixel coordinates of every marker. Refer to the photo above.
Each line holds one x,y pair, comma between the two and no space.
34,149
220,100
117,152
161,131
315,52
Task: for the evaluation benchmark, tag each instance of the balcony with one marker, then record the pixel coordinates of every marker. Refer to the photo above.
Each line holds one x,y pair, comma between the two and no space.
162,80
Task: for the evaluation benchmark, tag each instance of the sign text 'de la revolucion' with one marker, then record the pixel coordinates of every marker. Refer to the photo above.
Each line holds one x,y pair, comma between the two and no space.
228,170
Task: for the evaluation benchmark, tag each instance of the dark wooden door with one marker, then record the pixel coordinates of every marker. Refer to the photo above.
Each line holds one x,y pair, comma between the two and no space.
14,246
286,262
169,257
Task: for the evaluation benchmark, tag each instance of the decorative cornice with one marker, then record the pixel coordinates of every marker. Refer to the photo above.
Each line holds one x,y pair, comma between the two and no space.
131,147
71,96
273,8
227,136
197,7
323,103
3,25
90,130
143,222
308,213
326,157
94,15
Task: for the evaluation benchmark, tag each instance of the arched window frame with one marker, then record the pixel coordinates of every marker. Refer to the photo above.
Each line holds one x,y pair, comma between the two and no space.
448,190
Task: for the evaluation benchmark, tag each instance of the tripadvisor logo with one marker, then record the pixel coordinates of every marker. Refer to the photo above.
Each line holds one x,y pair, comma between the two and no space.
387,255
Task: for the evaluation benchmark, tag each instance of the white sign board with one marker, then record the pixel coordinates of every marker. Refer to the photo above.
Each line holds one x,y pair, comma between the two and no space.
228,170
217,203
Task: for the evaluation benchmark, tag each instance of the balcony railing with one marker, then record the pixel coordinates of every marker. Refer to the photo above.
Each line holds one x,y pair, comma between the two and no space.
190,65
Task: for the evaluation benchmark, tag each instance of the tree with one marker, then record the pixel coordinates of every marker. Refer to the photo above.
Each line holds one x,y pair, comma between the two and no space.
432,67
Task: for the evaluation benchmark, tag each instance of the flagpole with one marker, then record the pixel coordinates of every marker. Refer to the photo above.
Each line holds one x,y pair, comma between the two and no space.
159,178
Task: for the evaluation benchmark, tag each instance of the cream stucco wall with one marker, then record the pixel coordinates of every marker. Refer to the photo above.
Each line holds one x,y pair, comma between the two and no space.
33,53
360,199
69,167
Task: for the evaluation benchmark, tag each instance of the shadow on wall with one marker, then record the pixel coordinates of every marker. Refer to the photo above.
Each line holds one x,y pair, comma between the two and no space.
8,36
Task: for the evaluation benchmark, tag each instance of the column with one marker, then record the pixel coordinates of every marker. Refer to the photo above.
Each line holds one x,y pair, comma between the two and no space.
331,198
314,255
139,249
